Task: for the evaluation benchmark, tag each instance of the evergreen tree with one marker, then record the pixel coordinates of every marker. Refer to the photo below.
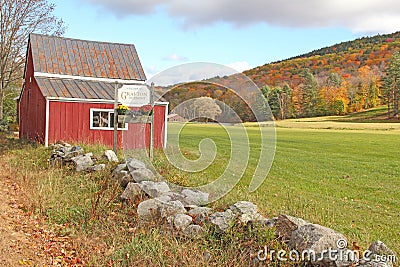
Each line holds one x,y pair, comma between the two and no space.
392,84
265,90
279,100
287,104
274,101
310,100
334,80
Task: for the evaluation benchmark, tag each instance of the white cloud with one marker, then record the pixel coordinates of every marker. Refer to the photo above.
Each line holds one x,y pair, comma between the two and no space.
378,24
367,16
175,57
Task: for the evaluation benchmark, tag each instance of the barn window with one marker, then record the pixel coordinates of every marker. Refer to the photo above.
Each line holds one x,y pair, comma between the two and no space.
103,119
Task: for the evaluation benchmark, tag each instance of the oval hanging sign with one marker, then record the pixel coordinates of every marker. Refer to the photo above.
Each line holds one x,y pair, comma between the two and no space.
134,95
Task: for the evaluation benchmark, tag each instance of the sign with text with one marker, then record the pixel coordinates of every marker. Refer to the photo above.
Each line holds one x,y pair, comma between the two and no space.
134,95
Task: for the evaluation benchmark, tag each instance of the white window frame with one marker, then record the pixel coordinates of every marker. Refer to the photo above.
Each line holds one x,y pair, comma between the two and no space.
92,110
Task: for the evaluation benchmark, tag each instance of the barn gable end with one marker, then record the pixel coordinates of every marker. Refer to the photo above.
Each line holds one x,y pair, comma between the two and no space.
32,106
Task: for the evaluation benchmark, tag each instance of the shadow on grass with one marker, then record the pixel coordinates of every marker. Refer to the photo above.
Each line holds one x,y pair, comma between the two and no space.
9,143
374,115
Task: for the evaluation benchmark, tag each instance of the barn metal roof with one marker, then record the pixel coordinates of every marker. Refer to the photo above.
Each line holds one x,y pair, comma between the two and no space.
65,56
73,88
79,89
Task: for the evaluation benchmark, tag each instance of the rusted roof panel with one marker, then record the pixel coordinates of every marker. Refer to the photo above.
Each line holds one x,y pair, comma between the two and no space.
81,89
57,55
73,88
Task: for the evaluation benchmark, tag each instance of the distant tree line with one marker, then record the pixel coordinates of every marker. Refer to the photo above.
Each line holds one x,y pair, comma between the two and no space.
311,95
336,95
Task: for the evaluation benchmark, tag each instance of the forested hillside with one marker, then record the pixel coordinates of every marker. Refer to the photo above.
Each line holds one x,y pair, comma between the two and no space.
339,79
364,43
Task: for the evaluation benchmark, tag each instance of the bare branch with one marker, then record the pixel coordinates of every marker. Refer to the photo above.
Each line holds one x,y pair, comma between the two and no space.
18,19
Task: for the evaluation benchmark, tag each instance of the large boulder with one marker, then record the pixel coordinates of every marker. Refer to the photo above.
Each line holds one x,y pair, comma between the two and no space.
170,196
380,248
379,255
142,174
154,209
111,156
181,221
171,208
148,210
222,220
119,171
131,192
246,212
154,189
243,207
194,197
315,237
134,164
122,174
200,214
286,225
320,240
82,162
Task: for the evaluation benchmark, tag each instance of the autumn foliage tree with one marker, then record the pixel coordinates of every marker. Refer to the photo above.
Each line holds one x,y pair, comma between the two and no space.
369,86
334,95
19,18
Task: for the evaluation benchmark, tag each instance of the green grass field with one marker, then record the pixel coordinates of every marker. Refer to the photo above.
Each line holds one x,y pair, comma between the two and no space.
348,180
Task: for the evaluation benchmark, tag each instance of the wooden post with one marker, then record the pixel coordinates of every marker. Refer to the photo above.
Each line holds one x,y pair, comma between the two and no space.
151,149
115,117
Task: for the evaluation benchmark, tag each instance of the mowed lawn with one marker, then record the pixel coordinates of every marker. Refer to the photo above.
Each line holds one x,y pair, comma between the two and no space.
348,180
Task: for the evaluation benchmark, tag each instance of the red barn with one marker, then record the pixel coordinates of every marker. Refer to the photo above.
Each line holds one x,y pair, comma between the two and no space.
68,93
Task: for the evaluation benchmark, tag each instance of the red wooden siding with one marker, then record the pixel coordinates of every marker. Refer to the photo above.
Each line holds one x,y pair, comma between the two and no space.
138,136
133,138
70,121
160,113
32,108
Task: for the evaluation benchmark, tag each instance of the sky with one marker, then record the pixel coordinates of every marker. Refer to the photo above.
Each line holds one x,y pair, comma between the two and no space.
234,33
